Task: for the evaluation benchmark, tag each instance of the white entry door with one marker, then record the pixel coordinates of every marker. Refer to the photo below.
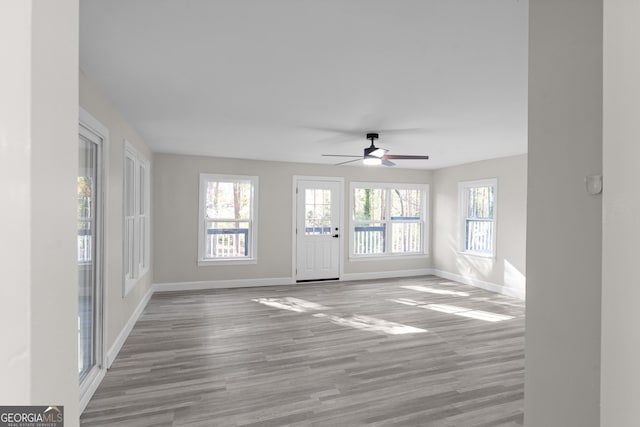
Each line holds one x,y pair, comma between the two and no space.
318,233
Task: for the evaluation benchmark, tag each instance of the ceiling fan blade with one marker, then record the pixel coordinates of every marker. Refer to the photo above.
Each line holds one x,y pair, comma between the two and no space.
363,129
346,135
405,157
402,131
348,161
339,155
387,162
375,152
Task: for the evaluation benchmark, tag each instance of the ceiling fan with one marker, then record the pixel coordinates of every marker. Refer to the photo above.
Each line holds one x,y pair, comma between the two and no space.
375,156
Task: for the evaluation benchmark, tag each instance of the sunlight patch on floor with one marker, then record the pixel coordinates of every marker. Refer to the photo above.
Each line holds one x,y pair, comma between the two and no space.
291,304
428,289
372,324
466,312
454,309
407,301
356,321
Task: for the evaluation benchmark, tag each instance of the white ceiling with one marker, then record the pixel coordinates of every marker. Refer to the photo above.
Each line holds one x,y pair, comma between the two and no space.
293,79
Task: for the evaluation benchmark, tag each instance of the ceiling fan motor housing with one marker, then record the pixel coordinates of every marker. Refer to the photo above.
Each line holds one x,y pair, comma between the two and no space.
368,151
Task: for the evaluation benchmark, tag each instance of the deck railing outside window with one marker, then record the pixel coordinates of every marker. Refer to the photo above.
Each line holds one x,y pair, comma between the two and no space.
368,240
84,242
227,242
406,236
479,234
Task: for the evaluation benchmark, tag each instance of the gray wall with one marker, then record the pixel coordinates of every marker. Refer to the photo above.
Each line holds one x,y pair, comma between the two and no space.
506,272
119,309
175,208
564,223
621,204
38,189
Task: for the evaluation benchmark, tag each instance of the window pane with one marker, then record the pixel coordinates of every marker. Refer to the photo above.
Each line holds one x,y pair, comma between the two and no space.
142,200
406,203
368,238
317,205
227,239
129,187
479,226
479,235
128,247
129,219
406,237
142,228
480,202
368,204
87,240
228,200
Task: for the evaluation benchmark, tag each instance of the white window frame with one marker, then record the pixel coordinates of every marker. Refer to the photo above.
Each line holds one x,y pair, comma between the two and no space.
463,188
92,381
252,257
137,225
425,219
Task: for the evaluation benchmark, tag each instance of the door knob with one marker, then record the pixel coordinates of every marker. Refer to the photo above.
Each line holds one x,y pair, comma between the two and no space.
336,236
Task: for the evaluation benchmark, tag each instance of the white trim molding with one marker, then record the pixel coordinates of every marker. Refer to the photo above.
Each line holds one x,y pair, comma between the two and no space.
98,372
136,232
92,383
493,287
386,274
222,284
128,327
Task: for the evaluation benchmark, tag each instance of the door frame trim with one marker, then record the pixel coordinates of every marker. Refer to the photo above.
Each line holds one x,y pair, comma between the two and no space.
294,211
95,376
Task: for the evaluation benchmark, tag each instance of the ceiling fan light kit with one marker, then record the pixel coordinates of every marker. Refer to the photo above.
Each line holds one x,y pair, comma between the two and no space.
374,156
372,160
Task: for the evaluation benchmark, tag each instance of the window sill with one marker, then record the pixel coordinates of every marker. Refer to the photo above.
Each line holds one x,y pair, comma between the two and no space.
131,283
226,261
477,255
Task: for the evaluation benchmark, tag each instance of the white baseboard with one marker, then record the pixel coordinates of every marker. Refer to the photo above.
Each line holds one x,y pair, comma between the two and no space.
126,330
493,287
222,284
386,274
90,386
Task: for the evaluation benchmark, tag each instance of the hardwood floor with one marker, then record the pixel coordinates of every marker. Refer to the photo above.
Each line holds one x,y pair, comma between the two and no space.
419,351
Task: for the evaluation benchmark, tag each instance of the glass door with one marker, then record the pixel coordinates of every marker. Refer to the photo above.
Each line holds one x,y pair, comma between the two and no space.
89,254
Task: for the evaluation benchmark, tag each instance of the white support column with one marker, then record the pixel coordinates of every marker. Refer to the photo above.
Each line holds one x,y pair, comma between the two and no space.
38,170
564,221
621,204
15,215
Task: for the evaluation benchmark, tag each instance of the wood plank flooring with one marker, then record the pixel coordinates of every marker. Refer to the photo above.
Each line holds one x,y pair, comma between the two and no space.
419,351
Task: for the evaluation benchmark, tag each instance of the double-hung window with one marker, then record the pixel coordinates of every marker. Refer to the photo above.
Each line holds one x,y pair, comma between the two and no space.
136,216
478,203
227,219
388,219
